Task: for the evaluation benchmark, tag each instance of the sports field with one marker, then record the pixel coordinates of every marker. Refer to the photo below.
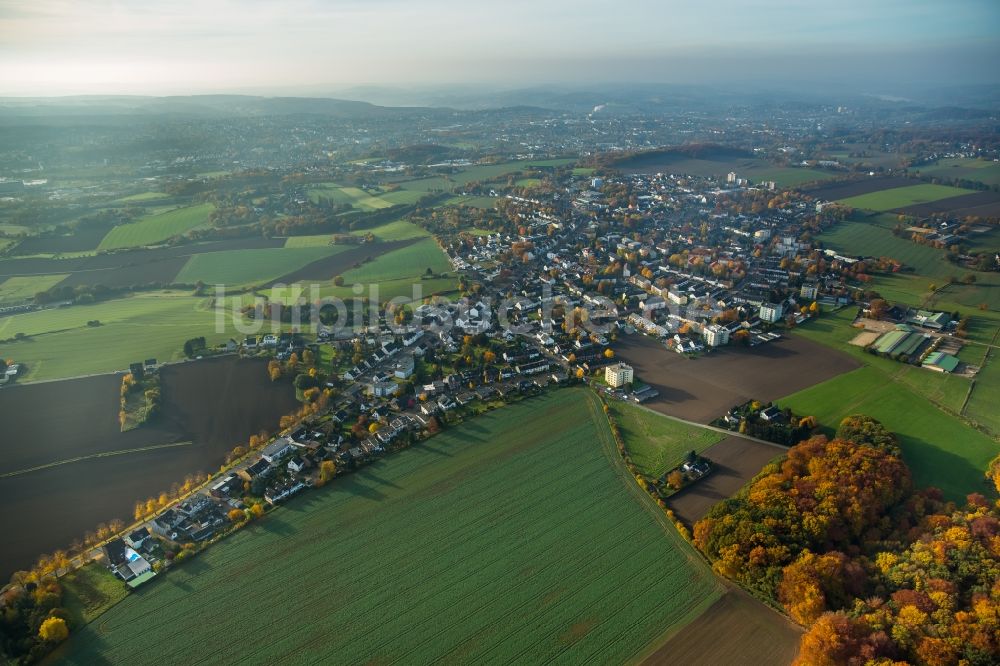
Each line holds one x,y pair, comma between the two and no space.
157,228
238,267
898,197
656,443
517,537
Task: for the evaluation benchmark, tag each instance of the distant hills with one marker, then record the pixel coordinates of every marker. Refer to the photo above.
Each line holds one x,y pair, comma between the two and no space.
191,105
599,99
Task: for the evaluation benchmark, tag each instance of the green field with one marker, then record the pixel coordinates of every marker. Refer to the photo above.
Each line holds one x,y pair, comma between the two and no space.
656,443
149,325
899,197
401,197
472,202
89,592
940,450
984,402
873,237
157,228
410,261
517,537
16,289
319,240
475,173
919,405
984,171
393,231
354,196
408,288
143,196
528,182
240,267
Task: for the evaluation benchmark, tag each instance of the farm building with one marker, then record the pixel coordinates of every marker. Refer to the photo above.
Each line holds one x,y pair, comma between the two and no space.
941,362
934,320
903,341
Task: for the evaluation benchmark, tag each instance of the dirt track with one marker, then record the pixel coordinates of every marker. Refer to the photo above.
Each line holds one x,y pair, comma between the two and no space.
704,388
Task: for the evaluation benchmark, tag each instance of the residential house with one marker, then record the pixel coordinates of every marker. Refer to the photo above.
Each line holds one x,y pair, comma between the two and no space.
278,449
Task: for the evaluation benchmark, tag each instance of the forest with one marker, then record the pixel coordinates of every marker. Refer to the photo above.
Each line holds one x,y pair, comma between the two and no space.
878,572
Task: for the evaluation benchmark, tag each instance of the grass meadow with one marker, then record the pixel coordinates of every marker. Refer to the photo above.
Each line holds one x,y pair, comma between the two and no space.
515,537
898,197
393,231
20,288
656,443
984,171
157,228
89,591
143,196
410,261
241,267
149,325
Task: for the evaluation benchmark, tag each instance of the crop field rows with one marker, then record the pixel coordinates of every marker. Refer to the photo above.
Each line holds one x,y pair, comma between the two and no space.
482,545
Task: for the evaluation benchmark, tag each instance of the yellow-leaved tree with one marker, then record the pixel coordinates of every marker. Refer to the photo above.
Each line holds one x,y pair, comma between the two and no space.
54,630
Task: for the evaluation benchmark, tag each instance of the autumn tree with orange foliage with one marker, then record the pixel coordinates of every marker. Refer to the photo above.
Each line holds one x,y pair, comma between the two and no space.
825,496
879,574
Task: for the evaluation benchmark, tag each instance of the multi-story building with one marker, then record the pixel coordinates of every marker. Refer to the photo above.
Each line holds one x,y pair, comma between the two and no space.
618,374
716,336
771,312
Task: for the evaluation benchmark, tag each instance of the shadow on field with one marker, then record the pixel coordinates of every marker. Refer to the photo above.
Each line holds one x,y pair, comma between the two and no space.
353,486
941,469
277,526
369,474
442,452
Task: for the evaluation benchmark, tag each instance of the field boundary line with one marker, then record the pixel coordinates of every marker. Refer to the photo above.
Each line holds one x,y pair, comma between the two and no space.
92,456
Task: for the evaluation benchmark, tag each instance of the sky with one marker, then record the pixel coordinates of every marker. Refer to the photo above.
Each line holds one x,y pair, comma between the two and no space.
62,47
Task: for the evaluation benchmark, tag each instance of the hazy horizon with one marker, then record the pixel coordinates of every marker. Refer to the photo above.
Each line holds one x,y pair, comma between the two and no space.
60,47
